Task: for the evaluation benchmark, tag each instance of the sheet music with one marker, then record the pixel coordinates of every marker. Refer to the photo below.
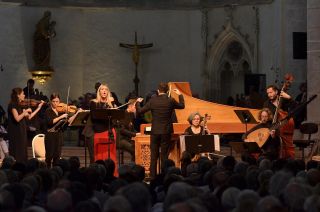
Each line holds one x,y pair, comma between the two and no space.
216,143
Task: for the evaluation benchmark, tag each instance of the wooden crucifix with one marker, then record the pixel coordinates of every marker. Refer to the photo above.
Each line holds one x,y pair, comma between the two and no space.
135,57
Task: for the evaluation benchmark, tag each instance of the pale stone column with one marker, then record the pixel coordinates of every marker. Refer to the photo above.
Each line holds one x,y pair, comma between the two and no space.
313,71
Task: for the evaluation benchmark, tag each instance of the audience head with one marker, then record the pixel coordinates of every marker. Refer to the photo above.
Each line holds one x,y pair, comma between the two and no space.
312,204
269,204
110,167
117,203
278,183
74,162
59,200
295,194
247,201
178,192
229,198
313,177
138,196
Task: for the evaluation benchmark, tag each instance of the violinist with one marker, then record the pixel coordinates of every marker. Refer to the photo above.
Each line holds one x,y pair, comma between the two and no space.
101,127
17,127
54,138
271,147
196,128
287,103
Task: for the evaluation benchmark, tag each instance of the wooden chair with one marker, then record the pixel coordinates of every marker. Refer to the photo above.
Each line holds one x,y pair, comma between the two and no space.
38,147
306,129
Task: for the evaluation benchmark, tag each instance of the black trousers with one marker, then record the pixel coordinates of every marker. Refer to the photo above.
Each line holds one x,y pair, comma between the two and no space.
162,141
53,145
90,143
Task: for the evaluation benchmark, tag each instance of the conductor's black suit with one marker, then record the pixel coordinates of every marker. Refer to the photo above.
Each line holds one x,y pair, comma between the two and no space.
162,109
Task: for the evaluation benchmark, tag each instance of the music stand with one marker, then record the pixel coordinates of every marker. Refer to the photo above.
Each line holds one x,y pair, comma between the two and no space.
196,144
80,121
245,117
108,114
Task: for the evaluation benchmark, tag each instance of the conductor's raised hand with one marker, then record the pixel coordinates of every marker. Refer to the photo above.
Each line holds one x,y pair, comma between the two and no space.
177,91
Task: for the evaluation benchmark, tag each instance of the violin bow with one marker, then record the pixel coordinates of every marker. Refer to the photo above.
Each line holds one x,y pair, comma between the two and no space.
68,99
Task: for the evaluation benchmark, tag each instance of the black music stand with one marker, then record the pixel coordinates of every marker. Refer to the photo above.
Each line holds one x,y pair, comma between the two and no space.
196,144
80,121
61,125
246,117
108,114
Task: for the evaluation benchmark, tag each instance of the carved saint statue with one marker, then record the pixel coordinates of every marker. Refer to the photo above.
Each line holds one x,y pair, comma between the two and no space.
41,49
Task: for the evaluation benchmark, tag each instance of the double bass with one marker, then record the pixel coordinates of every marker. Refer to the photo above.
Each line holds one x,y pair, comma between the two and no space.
286,128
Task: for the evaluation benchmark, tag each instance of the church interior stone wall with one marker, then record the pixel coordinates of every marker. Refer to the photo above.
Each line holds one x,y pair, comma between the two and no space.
86,48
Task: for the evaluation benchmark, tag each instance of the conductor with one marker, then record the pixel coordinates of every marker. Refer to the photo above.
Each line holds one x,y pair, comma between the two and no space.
162,108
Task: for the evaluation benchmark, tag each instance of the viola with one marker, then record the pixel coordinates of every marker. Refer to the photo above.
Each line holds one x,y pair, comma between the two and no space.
64,108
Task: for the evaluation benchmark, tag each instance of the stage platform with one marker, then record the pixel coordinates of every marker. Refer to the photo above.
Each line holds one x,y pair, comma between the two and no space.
68,151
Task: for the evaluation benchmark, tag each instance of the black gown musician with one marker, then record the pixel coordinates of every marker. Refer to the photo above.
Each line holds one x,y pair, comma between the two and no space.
17,127
54,135
195,127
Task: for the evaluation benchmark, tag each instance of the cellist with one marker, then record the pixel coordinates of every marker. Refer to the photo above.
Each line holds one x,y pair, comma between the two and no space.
280,102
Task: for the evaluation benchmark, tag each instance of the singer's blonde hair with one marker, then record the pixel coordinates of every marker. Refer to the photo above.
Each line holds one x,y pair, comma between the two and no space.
99,99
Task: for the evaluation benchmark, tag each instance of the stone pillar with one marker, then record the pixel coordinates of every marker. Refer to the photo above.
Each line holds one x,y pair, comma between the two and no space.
313,71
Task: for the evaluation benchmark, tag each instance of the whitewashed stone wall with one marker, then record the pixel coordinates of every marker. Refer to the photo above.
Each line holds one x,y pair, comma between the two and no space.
86,48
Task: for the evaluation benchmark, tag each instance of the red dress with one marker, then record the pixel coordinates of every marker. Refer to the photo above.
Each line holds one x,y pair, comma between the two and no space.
104,144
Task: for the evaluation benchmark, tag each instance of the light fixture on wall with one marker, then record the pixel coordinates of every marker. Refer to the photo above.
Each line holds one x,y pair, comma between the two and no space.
42,76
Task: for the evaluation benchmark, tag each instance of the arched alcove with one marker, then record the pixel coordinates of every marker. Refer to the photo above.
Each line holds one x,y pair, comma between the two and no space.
231,48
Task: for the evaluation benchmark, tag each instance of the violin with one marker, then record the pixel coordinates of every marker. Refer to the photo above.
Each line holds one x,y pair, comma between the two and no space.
64,108
30,103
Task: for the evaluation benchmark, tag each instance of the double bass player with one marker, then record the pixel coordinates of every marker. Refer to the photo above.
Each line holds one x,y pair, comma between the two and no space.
280,102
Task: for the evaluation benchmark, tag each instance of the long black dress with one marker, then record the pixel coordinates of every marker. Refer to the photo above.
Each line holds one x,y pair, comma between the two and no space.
17,135
53,140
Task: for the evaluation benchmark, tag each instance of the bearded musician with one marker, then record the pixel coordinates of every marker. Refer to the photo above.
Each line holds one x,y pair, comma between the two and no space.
286,132
271,148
